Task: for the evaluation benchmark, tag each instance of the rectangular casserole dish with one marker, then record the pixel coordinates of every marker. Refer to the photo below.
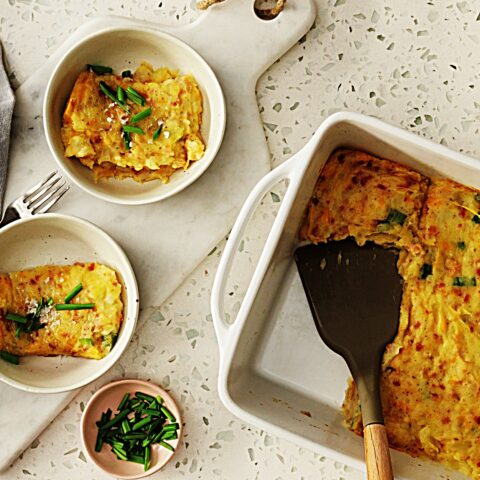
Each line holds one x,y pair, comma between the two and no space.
275,372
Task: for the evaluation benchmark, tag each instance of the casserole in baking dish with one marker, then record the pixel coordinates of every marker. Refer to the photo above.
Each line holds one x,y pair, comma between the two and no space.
298,392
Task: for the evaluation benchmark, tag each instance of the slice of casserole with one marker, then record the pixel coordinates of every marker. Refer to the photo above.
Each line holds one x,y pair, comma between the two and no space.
368,198
163,116
88,333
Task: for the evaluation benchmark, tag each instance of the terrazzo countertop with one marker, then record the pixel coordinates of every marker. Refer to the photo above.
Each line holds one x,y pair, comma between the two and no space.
414,64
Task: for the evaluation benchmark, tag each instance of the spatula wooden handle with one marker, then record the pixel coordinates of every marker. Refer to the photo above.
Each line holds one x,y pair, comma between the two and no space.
377,455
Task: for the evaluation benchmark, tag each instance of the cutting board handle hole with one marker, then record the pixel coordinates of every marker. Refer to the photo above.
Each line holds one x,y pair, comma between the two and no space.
268,9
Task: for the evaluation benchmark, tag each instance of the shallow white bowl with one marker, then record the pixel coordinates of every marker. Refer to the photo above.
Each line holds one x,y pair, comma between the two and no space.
125,48
55,239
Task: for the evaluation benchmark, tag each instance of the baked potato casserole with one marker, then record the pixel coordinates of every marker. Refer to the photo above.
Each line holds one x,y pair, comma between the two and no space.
430,374
143,125
74,310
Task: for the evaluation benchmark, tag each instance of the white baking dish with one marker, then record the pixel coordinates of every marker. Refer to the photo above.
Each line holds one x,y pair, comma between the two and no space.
273,365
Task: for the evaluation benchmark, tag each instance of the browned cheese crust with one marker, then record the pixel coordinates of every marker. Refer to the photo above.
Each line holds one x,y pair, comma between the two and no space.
430,380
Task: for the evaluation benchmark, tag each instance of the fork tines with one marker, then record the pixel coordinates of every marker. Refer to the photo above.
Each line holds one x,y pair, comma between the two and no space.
42,196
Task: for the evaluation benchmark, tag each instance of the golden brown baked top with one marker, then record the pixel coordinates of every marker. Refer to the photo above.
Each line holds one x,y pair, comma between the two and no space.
164,139
430,380
88,333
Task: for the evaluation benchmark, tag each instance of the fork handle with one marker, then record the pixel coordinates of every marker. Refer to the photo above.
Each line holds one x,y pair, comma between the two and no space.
9,216
377,455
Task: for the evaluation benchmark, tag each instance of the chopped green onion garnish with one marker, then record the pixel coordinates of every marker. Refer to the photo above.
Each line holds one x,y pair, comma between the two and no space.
127,138
74,306
144,396
140,116
123,402
99,69
8,357
86,341
126,73
133,129
50,301
146,459
461,245
135,97
464,282
16,318
167,413
166,445
74,293
142,423
121,94
395,216
157,132
111,95
18,331
425,271
139,424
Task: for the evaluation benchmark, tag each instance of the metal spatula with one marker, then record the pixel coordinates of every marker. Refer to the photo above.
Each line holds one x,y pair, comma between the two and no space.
354,295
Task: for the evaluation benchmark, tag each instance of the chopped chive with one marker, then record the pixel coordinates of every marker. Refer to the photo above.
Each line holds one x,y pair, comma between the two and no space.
86,341
121,94
16,318
111,95
99,69
159,399
167,413
425,271
166,445
144,396
133,129
151,411
171,426
134,436
123,402
146,459
126,426
116,419
135,97
74,306
50,301
99,441
120,453
8,357
141,115
157,132
18,331
142,423
464,282
395,217
136,459
461,245
170,436
77,289
127,138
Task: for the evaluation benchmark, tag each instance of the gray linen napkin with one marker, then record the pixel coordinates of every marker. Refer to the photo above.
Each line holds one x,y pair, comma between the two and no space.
7,100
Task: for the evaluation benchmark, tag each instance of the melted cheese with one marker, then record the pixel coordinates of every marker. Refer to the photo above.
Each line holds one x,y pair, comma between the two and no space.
92,125
430,381
82,333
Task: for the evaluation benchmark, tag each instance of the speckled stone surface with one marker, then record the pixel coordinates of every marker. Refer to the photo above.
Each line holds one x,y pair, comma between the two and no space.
413,64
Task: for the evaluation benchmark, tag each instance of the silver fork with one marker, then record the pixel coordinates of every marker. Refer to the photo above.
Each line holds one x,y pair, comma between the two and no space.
38,199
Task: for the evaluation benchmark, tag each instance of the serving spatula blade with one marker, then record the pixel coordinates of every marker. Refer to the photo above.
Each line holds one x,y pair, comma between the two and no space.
354,294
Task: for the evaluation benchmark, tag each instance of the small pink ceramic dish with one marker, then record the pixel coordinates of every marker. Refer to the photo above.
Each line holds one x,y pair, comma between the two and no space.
109,396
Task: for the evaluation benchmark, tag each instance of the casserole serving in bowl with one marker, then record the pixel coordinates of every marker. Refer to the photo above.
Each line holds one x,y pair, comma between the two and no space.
170,93
44,257
298,392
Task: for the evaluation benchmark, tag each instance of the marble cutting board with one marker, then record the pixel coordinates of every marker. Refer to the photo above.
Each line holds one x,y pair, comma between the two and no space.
167,240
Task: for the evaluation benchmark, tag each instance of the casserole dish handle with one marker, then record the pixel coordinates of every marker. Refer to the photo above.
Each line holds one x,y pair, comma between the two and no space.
287,170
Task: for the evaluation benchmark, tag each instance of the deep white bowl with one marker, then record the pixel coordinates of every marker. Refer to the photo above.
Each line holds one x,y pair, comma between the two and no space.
125,48
54,239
